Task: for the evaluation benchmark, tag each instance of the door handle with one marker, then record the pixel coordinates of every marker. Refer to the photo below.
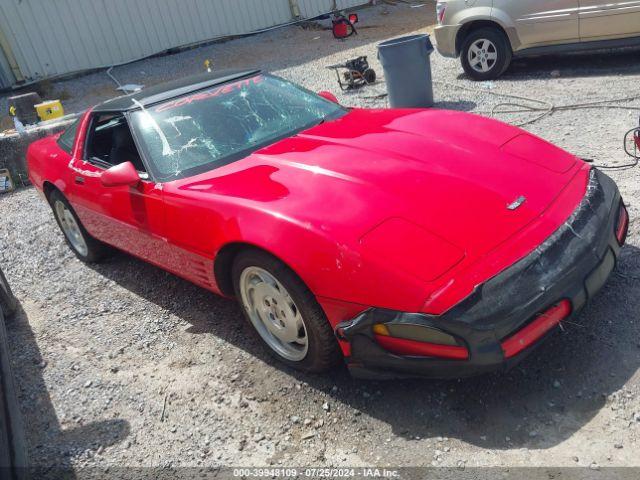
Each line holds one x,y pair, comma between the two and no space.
80,180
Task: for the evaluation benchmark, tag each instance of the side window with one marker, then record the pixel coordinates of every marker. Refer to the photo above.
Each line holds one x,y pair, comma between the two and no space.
67,139
110,142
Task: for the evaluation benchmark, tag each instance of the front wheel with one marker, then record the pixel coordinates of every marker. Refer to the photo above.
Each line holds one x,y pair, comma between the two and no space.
284,313
486,54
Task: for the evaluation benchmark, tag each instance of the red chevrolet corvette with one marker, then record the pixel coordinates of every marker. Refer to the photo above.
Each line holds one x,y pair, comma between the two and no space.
409,242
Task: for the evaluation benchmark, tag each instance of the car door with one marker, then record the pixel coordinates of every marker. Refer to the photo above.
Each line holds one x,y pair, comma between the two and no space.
541,22
603,20
129,218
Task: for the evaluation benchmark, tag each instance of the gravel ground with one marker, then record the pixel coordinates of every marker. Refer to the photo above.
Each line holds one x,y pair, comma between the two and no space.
123,364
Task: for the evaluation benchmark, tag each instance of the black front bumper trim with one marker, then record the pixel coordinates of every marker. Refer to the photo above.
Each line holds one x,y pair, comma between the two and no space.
574,263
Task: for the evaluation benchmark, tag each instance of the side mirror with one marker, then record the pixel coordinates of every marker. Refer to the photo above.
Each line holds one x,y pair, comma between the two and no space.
328,96
121,175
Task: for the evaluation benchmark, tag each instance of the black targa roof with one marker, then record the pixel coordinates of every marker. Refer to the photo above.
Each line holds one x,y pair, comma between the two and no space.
169,90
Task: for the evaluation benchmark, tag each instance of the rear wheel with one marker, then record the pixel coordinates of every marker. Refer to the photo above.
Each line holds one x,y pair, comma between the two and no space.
86,248
284,313
486,54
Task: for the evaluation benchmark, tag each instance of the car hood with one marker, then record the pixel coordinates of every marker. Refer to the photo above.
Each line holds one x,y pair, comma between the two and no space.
466,180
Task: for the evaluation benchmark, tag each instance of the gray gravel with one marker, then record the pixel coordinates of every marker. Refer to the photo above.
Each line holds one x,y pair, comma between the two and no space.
124,364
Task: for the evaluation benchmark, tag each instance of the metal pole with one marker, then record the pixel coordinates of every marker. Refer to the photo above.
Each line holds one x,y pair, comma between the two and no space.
295,8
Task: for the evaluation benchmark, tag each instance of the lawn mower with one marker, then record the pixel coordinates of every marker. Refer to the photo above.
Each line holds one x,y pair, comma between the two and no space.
354,73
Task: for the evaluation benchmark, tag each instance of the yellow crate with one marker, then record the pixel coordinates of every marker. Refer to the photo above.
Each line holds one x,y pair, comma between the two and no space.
49,110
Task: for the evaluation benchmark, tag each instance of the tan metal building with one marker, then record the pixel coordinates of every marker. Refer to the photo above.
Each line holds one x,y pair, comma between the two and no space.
46,38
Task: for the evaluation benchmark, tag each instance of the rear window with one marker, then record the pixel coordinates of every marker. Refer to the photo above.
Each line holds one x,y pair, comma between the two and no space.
67,139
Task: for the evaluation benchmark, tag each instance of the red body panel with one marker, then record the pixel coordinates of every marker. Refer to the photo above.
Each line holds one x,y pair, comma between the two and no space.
405,210
47,162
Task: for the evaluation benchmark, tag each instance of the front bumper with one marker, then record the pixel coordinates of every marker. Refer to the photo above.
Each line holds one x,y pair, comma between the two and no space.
446,39
573,264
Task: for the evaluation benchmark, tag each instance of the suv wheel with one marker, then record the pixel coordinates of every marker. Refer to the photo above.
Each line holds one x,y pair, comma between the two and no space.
486,54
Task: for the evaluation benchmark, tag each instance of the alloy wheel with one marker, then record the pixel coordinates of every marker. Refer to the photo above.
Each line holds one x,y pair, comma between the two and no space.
70,228
274,314
482,55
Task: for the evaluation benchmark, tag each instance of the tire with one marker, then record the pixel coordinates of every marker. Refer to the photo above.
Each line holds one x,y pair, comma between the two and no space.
259,303
13,445
486,41
370,76
85,247
8,302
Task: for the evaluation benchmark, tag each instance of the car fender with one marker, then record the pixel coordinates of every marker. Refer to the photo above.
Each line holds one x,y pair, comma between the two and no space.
484,13
468,15
503,19
207,213
332,269
47,163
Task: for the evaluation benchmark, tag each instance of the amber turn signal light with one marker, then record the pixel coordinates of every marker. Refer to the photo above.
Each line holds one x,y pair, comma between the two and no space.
418,341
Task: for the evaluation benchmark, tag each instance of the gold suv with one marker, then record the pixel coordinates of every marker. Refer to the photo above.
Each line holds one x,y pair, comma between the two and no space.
486,34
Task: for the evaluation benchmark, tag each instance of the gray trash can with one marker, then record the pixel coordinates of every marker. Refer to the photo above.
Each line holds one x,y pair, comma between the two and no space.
407,71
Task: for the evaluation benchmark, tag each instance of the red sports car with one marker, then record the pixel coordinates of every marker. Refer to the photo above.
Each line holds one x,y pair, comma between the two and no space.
409,242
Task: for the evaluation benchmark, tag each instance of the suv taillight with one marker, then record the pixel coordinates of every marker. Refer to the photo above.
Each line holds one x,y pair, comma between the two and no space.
441,10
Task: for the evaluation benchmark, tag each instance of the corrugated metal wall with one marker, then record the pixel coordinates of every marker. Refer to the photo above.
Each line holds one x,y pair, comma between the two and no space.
54,37
6,76
313,8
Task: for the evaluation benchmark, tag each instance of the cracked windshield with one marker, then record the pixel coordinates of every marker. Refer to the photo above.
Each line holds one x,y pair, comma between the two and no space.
213,127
